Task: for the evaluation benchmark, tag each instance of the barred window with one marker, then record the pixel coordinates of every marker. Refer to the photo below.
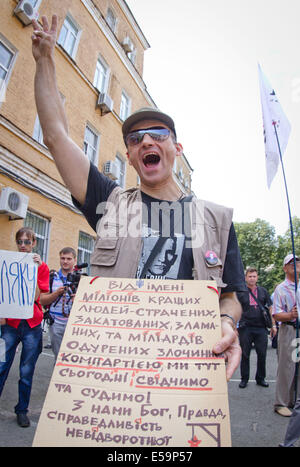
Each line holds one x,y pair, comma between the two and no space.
85,248
40,226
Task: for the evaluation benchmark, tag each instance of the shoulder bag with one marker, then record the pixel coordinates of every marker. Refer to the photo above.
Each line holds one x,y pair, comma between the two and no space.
264,310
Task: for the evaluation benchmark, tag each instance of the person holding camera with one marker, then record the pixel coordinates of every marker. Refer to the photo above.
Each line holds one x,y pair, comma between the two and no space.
59,300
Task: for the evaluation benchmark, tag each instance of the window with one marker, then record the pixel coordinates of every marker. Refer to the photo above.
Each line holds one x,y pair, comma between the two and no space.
101,75
85,248
175,165
121,171
69,36
111,19
132,56
37,131
129,49
91,144
7,57
40,226
125,106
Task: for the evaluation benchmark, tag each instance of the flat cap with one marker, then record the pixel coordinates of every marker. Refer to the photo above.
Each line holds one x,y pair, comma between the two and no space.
147,113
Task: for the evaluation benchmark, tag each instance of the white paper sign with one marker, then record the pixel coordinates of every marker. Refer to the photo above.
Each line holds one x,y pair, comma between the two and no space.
18,278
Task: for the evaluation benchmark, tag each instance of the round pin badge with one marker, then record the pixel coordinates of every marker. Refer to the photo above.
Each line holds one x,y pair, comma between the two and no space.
211,258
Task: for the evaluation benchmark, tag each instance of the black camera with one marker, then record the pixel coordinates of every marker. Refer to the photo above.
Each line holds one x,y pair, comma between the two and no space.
74,277
70,288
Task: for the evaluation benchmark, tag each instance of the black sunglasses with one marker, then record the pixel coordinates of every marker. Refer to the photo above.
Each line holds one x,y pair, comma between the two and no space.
136,137
26,242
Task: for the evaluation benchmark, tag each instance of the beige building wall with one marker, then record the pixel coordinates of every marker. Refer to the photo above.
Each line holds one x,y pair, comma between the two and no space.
25,164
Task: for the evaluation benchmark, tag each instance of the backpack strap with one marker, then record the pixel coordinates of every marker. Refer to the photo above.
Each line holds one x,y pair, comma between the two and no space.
52,274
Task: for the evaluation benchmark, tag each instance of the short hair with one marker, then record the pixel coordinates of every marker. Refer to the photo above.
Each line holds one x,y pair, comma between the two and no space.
250,269
27,231
68,250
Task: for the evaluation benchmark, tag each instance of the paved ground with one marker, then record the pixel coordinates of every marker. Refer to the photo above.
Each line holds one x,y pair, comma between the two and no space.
253,421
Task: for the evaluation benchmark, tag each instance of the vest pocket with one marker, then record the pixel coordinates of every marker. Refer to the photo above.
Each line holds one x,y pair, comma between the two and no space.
215,276
106,252
215,272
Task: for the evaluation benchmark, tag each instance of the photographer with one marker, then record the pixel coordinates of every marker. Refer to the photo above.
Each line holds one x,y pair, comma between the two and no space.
59,300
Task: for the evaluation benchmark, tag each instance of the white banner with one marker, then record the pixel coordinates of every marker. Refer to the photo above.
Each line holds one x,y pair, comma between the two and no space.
273,115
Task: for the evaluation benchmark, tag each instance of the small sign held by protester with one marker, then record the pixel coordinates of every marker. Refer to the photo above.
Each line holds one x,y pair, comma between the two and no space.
18,279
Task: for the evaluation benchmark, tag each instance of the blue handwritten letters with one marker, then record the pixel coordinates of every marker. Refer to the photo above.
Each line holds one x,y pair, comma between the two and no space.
18,279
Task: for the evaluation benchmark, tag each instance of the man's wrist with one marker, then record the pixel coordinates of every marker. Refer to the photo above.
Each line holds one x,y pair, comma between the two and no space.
229,319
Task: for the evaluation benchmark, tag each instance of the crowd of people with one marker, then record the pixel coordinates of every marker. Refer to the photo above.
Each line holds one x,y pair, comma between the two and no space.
200,243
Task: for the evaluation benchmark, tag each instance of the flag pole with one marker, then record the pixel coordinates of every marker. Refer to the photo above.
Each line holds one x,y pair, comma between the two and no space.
293,251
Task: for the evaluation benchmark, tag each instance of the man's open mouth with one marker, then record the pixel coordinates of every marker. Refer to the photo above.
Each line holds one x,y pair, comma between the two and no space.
150,160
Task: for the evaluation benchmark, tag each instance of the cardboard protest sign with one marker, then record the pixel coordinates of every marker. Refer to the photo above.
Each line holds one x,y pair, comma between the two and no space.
18,278
136,368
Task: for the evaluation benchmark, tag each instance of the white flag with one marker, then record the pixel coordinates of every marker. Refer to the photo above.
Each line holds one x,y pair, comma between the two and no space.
272,115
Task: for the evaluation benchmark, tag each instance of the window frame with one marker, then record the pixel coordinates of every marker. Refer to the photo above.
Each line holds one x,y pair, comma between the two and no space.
37,129
125,114
121,163
69,18
105,66
83,251
45,238
96,133
38,132
4,82
132,55
114,27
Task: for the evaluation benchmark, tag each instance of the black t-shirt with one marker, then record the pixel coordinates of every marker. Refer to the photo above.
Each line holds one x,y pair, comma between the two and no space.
174,259
252,315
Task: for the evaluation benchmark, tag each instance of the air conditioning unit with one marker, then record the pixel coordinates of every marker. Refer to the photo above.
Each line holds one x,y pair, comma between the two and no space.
26,12
127,45
111,170
13,203
105,103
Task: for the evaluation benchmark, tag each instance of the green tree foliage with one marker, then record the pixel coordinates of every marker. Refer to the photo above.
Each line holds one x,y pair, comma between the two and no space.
260,248
286,240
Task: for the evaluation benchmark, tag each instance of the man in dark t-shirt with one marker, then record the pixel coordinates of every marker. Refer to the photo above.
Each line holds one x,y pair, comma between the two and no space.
181,264
151,147
252,328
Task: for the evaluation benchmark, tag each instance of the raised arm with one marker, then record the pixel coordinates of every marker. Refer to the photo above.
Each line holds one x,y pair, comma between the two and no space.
70,160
